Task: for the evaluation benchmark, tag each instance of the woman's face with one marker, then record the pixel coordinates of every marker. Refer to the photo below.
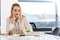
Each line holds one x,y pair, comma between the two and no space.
16,11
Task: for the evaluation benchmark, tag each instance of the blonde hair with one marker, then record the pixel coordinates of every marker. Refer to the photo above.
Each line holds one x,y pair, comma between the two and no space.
16,4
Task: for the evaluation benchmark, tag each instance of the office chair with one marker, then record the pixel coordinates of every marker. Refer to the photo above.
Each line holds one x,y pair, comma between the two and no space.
33,26
56,32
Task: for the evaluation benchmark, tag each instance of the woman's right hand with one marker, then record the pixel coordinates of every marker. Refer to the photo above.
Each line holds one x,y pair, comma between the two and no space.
10,33
12,20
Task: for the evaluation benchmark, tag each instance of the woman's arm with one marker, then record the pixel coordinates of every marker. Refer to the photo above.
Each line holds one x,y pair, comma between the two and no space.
27,25
9,27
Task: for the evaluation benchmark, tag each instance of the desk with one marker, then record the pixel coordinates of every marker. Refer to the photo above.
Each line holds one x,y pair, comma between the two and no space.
41,37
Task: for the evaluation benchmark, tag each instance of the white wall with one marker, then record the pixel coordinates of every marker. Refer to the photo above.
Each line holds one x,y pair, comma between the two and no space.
5,12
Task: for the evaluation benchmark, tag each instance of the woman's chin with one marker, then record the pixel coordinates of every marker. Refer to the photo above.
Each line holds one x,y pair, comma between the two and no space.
17,16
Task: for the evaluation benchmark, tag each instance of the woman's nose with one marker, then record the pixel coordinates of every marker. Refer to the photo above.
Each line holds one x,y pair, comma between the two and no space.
16,11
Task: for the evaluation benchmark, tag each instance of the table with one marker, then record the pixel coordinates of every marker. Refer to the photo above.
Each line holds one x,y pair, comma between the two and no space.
40,37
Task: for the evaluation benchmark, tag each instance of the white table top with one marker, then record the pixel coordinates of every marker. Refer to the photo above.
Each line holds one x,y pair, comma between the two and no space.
41,37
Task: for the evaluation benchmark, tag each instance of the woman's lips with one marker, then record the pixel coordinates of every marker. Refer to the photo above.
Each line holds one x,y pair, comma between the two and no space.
16,14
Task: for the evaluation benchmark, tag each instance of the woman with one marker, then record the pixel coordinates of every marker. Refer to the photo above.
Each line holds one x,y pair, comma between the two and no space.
16,22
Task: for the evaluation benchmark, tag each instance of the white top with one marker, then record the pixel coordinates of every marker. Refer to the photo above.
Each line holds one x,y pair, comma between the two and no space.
20,25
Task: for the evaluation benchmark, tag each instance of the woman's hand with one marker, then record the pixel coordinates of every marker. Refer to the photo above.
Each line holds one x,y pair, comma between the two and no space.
18,32
12,20
10,33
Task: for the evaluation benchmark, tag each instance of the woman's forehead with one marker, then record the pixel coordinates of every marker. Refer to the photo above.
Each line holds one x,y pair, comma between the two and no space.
16,7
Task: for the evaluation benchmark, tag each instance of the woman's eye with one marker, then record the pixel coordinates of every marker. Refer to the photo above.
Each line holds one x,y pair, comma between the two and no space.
19,10
15,10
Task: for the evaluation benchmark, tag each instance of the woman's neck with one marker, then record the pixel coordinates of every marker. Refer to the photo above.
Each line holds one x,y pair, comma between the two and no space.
16,19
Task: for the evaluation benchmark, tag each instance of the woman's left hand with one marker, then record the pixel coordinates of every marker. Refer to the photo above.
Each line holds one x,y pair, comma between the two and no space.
18,32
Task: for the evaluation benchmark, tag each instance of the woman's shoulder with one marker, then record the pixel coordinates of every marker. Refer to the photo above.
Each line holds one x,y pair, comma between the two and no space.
8,18
23,17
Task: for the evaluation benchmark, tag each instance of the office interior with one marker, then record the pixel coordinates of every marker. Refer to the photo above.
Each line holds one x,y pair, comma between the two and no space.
49,24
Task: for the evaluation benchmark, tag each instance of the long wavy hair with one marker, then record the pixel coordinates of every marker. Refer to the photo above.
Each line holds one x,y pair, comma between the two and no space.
11,16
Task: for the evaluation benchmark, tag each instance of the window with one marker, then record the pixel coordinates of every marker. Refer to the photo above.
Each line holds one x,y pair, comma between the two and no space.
44,13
